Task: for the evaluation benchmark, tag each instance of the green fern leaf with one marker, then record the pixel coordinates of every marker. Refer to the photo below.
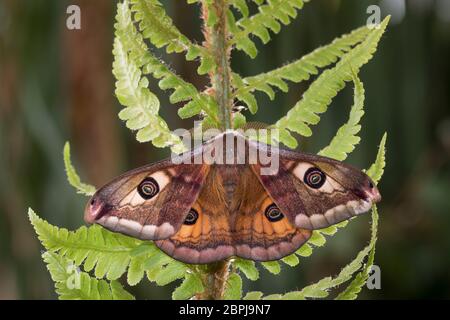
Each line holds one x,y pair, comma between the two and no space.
247,267
168,80
321,92
157,26
191,285
353,289
141,105
233,288
136,270
346,138
272,266
300,70
108,254
376,170
241,6
270,17
321,288
72,284
171,272
253,295
72,175
291,260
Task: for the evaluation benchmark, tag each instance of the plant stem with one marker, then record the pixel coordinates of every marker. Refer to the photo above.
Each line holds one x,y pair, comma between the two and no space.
214,278
217,36
215,275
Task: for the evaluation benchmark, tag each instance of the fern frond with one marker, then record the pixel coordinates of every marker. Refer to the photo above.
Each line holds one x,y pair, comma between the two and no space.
141,105
109,254
355,286
191,285
72,284
73,177
241,6
376,170
346,138
270,17
319,95
168,80
297,71
158,27
247,267
253,295
233,288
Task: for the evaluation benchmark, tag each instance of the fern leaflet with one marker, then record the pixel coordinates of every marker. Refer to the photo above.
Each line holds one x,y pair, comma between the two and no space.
72,175
157,26
141,105
143,58
109,254
346,138
269,17
71,284
321,92
296,71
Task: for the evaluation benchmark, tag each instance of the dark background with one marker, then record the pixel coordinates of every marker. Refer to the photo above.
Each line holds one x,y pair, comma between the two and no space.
56,85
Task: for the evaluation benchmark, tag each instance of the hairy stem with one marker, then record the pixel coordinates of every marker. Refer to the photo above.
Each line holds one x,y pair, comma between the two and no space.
214,278
216,38
215,275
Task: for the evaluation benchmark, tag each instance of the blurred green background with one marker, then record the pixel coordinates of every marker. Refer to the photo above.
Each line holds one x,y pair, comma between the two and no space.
56,85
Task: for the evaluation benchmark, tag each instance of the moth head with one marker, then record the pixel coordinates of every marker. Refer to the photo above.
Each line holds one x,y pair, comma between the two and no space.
95,209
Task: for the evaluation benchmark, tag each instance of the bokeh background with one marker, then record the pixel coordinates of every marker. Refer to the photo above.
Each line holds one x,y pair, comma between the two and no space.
56,85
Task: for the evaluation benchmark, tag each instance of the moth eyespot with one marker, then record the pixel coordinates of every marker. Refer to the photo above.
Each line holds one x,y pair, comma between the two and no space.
148,188
314,178
273,213
191,217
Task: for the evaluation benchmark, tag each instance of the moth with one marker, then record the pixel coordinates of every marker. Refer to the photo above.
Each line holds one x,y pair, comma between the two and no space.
201,212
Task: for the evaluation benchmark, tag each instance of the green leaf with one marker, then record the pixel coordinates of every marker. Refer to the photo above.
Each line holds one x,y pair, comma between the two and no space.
71,284
270,17
317,239
183,91
376,170
140,103
321,92
353,289
291,260
136,270
241,6
248,268
346,138
173,271
253,295
191,285
108,254
233,288
157,26
301,69
73,177
239,120
272,266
